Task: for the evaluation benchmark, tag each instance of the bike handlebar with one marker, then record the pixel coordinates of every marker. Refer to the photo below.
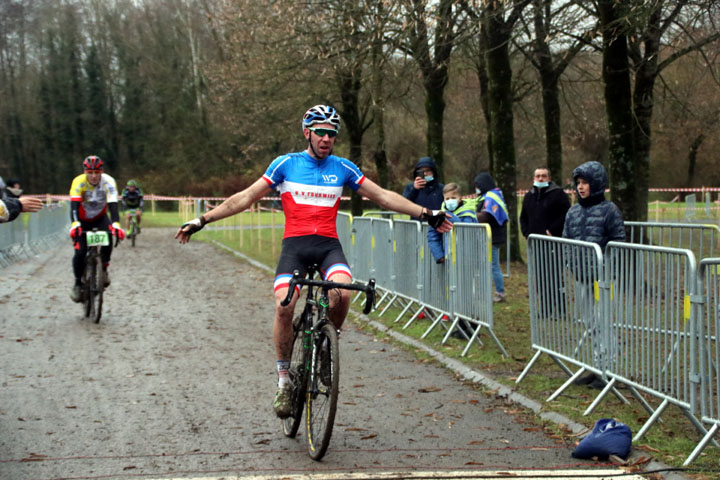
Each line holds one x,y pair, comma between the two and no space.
297,279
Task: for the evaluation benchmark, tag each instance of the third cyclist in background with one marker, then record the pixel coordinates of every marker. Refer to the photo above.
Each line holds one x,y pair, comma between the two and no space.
132,200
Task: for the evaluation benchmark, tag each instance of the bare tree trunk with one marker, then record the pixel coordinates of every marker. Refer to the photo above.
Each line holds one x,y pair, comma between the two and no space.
692,158
618,105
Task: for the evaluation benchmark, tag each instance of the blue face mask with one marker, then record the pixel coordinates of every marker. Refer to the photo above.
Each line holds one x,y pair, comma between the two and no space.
541,184
429,178
451,204
478,191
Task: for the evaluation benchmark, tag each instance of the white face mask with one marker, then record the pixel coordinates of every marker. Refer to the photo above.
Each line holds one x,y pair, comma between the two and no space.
451,204
541,184
429,178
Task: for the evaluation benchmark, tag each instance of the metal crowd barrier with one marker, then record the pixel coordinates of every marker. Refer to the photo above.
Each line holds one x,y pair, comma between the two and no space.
652,330
564,281
634,317
396,254
33,233
700,238
709,352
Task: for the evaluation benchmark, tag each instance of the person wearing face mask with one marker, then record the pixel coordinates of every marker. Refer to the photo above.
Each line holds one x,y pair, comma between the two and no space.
459,210
544,206
425,190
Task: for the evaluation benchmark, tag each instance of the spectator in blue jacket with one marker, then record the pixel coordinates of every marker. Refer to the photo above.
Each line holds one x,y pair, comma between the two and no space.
597,220
491,209
460,211
593,218
425,189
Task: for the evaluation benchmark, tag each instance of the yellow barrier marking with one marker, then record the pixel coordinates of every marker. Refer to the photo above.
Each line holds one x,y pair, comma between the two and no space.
686,312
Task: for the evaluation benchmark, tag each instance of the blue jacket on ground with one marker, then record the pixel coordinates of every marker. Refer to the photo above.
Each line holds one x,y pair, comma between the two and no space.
594,219
430,197
438,242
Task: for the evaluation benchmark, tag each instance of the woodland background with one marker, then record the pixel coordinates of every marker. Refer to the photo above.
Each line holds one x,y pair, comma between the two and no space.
198,96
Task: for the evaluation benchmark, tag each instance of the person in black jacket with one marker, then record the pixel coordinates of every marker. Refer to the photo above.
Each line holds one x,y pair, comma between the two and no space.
425,190
544,207
11,207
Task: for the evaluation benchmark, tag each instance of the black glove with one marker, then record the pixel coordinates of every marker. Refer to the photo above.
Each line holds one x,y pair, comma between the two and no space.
195,225
434,218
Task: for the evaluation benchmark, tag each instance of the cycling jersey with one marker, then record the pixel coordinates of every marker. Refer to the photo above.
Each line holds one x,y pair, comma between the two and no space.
132,200
93,199
310,191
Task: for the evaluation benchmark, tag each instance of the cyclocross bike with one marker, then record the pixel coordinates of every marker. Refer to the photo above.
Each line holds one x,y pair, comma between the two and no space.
94,275
134,228
315,361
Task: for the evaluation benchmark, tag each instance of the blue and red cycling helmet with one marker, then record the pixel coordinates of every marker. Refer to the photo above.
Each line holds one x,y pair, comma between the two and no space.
321,114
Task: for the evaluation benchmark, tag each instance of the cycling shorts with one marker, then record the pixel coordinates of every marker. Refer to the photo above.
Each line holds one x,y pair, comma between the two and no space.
300,252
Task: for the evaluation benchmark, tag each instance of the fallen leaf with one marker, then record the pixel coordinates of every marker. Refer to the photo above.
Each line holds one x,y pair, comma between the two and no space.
129,467
477,442
532,429
429,389
368,437
474,463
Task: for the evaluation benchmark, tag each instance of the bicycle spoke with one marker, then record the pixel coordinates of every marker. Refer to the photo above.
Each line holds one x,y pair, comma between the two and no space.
322,395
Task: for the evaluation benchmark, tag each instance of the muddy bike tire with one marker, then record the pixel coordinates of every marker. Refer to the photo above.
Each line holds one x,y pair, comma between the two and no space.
87,291
322,393
297,377
97,287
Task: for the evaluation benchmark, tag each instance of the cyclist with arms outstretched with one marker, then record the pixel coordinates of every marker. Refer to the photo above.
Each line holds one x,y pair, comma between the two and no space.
132,202
92,194
310,185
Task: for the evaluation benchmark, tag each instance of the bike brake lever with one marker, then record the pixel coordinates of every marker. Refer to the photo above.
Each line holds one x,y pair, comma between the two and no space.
370,296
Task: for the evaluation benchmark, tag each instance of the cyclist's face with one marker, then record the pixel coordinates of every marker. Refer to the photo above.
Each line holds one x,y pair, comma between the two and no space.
322,146
131,188
93,176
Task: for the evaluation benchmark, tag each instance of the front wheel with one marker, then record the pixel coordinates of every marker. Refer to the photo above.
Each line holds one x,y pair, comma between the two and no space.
298,374
322,392
97,287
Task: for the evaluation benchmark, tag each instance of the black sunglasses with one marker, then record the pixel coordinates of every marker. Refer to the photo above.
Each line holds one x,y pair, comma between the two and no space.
321,132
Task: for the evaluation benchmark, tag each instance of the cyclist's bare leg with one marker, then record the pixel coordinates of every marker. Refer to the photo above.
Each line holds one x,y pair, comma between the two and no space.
127,222
138,215
339,301
282,326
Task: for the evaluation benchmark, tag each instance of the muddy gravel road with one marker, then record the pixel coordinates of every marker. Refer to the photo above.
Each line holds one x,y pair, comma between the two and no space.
177,380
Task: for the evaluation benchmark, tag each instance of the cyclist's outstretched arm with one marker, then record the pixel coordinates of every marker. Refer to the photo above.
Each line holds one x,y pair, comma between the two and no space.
390,200
235,204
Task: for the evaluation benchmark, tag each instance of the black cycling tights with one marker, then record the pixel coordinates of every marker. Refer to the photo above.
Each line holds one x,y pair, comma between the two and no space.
78,260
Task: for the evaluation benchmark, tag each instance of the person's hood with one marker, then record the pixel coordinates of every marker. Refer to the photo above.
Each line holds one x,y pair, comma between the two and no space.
595,174
425,162
485,182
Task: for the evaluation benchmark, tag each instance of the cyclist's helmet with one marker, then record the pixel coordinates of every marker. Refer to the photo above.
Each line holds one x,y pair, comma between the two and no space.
321,114
93,162
132,183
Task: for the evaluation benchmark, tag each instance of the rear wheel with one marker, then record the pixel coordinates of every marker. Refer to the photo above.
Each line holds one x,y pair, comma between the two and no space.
297,377
322,395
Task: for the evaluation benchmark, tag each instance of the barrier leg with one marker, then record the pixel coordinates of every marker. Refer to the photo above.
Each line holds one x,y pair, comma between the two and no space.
701,446
609,386
405,309
569,382
379,302
651,420
698,425
389,304
435,322
529,366
475,337
415,315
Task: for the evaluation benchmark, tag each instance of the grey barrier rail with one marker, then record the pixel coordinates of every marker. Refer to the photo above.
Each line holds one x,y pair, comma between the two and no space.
633,316
396,254
709,351
33,233
701,239
397,216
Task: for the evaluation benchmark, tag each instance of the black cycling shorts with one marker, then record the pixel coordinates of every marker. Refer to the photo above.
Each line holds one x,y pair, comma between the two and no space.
300,252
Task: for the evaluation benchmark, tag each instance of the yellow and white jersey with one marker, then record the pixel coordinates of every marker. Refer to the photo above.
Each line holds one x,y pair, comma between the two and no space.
93,199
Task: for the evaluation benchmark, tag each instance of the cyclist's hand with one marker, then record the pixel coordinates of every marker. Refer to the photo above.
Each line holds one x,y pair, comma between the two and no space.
438,220
117,230
75,231
195,225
